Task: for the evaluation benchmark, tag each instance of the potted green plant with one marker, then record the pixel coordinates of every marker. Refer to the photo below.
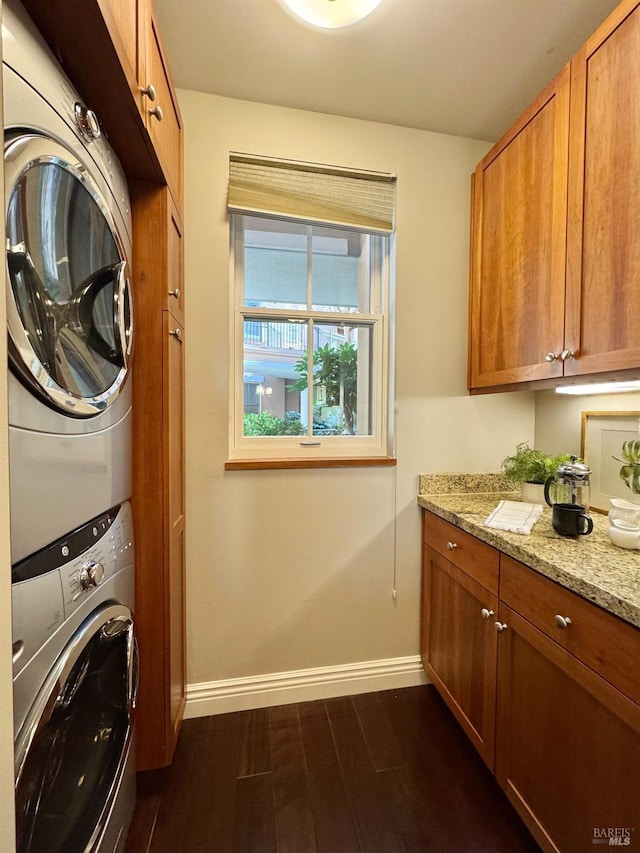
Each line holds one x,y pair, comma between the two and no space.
531,469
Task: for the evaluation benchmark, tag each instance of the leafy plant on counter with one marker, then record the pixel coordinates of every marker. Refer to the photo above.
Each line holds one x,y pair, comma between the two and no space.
630,471
528,465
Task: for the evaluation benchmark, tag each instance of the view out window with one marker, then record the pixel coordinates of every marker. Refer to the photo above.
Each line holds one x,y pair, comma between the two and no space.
310,376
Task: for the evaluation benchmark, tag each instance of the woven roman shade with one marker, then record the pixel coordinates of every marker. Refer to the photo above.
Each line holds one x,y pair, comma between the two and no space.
308,192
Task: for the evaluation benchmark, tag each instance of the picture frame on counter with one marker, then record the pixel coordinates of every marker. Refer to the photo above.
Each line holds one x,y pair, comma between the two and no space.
608,448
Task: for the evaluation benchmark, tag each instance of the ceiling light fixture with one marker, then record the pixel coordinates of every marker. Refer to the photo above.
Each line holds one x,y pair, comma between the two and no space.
332,14
600,388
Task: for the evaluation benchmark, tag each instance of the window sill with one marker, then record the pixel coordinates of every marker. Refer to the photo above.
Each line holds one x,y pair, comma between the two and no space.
337,462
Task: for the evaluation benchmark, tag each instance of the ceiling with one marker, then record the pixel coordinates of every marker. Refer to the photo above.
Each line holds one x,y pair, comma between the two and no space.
463,67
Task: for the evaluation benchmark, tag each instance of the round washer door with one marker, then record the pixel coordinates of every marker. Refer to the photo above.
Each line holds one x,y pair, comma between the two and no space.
69,306
71,751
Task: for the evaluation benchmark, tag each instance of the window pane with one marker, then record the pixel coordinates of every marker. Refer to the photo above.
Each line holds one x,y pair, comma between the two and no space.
340,270
275,263
275,403
342,371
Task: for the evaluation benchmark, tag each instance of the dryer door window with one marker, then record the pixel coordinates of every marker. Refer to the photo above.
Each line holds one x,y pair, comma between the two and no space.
72,749
69,304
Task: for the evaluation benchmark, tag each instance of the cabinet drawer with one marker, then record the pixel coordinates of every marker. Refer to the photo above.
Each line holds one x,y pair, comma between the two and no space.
606,644
476,558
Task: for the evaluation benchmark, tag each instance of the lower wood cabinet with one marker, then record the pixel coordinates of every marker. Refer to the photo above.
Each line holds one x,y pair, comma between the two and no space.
459,646
567,742
543,682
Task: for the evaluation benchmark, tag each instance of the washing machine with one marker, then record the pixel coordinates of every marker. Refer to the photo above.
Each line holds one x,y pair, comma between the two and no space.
69,306
75,681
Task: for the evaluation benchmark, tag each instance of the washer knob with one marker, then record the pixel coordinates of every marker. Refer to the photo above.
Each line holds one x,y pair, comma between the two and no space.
87,122
91,574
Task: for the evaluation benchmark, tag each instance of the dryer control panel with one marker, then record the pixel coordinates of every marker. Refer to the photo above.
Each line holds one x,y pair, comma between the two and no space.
49,586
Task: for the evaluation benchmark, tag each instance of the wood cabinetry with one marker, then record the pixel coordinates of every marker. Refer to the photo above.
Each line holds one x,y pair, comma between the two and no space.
548,693
111,50
555,260
158,500
603,270
458,643
519,247
134,29
157,101
124,35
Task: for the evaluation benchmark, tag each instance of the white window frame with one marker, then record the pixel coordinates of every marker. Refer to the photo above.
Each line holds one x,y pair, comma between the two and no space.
270,448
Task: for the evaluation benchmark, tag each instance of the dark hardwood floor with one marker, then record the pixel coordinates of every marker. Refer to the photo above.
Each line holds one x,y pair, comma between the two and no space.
387,772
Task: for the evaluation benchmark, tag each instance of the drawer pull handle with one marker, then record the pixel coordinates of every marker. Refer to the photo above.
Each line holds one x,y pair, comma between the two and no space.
177,334
175,293
501,626
562,621
487,614
157,112
452,546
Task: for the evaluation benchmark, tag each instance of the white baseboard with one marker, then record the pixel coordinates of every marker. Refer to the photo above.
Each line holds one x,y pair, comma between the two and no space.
302,685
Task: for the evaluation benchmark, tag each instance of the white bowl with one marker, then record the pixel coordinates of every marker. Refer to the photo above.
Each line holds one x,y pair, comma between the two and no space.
625,535
625,510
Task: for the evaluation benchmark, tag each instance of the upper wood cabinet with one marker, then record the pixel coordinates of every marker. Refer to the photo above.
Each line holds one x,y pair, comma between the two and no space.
555,259
121,18
603,270
134,29
519,247
145,134
157,101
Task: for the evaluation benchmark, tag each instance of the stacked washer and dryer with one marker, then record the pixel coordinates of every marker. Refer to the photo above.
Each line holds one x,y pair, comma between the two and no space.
69,311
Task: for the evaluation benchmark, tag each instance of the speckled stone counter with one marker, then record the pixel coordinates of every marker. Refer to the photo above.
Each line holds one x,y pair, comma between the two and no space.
591,566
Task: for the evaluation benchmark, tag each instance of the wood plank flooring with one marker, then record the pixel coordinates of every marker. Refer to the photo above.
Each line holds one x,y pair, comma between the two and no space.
387,772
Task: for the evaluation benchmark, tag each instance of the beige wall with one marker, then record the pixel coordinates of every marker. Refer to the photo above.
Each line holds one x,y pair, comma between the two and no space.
559,417
291,570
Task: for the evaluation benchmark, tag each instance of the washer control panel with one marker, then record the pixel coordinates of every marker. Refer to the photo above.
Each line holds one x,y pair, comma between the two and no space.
51,584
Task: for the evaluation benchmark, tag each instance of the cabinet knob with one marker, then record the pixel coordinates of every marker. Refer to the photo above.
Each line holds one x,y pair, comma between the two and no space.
175,293
177,334
551,356
567,353
562,621
452,546
149,91
156,112
487,614
501,626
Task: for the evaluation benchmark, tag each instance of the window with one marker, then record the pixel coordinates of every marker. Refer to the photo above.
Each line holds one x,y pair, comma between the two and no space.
311,332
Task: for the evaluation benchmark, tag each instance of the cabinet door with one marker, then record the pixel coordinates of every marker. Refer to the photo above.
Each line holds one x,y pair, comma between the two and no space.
121,18
459,647
160,106
175,263
567,742
519,247
158,500
603,272
173,393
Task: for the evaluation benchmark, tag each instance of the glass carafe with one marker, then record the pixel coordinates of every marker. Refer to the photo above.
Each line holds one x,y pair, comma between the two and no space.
569,485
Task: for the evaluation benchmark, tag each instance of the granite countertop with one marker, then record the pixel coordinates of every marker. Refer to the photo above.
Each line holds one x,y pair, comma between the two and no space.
591,566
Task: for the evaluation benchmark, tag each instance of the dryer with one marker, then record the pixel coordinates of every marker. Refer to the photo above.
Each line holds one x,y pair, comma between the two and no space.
69,305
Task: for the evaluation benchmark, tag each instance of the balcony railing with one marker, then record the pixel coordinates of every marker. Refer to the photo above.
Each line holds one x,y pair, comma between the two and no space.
288,336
